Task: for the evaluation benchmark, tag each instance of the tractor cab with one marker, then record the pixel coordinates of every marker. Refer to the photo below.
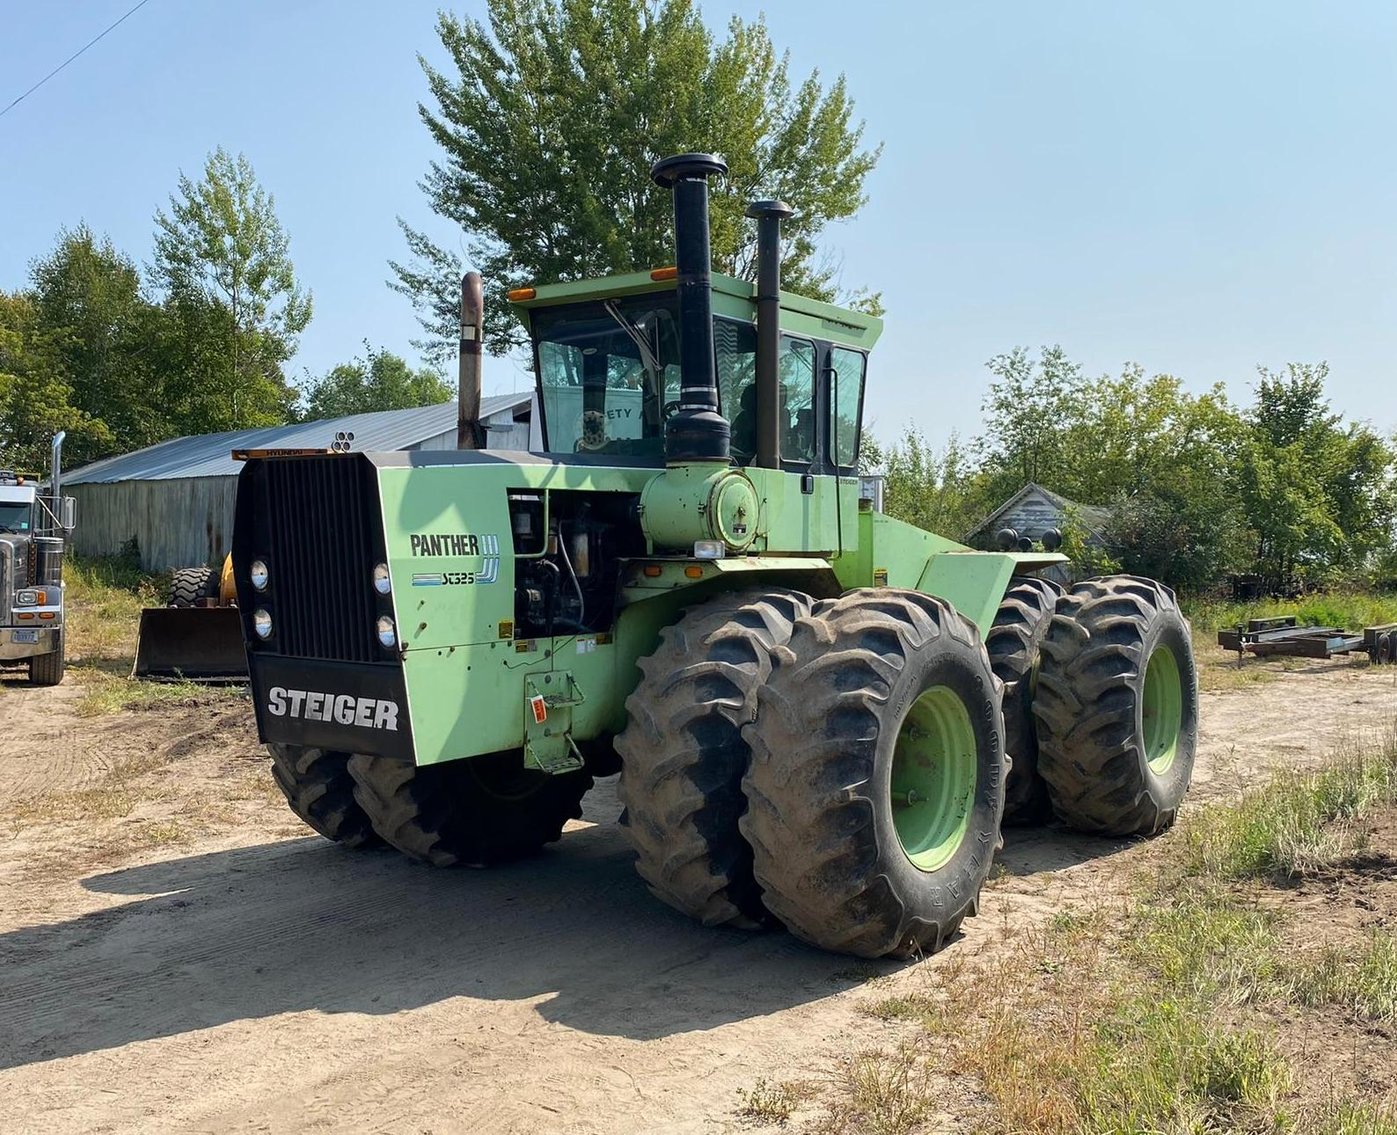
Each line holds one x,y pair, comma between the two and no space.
607,356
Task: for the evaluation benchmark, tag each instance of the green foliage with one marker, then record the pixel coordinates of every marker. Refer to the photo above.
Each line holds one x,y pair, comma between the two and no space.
1194,487
1345,609
36,397
939,492
550,117
222,260
380,381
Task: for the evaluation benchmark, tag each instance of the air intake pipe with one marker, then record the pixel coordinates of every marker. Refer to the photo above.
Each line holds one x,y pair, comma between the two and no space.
470,433
768,215
698,432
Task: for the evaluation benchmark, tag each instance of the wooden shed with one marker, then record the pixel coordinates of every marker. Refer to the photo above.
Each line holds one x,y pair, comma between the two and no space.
1031,512
175,499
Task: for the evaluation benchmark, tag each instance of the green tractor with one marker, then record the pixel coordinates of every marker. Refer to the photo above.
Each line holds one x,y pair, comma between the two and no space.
817,711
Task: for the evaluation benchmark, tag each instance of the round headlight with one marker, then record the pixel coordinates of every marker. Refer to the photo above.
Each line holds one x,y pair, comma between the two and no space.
387,633
262,622
258,573
381,583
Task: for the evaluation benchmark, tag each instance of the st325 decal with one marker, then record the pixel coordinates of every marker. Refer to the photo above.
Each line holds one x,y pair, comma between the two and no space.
485,546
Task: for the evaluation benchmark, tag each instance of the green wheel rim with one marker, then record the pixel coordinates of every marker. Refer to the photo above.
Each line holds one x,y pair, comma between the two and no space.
932,786
1162,710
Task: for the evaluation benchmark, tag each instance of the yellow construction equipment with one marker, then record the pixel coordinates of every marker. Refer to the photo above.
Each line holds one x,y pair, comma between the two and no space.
197,636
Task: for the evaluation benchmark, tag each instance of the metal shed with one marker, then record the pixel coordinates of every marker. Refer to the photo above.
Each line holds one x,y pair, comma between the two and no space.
175,499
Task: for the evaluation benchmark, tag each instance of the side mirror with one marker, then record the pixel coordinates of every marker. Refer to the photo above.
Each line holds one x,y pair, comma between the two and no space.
69,514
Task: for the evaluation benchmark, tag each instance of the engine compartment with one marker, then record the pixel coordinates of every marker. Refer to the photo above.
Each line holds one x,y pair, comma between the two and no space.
568,548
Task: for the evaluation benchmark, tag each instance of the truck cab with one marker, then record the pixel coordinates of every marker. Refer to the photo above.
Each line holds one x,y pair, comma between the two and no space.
33,531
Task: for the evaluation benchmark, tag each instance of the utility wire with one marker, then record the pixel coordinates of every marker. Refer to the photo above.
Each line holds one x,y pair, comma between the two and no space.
84,47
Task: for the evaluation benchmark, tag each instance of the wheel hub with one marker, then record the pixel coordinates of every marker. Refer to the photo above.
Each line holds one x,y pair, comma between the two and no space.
933,778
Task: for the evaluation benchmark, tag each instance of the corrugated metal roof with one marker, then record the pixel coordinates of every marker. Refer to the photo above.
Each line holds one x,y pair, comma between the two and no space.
209,455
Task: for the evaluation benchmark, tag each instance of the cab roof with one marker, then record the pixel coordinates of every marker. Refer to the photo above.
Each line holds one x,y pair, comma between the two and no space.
732,297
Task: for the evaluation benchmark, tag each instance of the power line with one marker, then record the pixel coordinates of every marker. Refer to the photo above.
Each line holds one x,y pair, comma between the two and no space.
84,47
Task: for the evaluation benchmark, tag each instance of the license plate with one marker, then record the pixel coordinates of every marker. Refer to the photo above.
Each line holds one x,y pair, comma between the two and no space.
25,636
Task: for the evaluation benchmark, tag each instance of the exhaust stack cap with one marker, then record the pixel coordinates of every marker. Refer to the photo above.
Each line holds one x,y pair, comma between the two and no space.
687,167
779,210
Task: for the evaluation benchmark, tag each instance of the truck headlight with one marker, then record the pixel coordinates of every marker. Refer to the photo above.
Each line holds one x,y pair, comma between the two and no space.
259,575
382,584
262,622
387,633
26,598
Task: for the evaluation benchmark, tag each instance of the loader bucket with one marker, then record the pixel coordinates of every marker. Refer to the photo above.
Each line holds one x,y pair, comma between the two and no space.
196,644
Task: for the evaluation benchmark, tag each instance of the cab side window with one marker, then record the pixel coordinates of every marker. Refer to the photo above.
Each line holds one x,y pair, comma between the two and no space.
846,403
795,369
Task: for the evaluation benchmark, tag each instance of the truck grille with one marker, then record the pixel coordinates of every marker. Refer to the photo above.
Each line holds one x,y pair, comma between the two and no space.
322,538
7,581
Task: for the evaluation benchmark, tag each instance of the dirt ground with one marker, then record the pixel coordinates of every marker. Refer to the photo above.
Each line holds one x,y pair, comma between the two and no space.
177,953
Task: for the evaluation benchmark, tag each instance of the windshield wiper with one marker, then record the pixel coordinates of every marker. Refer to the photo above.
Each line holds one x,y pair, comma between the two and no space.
647,356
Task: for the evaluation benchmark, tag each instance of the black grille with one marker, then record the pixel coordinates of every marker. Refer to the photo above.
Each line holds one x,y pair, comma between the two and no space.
323,539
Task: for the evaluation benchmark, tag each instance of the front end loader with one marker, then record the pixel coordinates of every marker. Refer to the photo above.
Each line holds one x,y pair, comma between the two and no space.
816,710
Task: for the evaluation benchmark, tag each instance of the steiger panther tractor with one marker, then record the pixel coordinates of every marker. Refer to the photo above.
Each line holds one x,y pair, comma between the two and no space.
817,711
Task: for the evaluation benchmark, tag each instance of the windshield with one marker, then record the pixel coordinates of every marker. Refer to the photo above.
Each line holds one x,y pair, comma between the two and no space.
608,374
14,517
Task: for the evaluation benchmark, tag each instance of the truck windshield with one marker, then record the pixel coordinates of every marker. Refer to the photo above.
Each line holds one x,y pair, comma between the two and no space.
14,517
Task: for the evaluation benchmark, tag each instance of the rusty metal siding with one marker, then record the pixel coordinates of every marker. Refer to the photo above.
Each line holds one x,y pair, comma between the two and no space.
176,522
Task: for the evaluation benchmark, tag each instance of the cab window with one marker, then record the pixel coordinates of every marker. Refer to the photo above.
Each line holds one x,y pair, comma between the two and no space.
846,404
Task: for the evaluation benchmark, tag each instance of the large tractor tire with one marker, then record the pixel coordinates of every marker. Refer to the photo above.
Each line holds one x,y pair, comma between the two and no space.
319,789
475,812
876,785
1117,707
1013,643
683,755
48,669
189,585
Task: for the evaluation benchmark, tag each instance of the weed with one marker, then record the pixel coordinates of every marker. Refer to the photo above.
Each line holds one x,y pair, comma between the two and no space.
1363,982
880,1093
774,1103
108,693
1349,609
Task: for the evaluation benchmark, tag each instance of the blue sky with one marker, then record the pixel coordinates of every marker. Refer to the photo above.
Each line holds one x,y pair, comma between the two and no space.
1199,187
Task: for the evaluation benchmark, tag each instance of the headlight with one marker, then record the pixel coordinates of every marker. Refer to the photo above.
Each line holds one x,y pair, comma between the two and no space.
26,598
262,622
381,582
259,575
387,633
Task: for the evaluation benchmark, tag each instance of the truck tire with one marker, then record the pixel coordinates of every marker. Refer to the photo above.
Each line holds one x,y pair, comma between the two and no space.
474,812
319,789
47,669
1117,707
1013,643
683,755
876,785
189,585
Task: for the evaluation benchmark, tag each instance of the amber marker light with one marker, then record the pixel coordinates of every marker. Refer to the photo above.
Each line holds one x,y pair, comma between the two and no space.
515,295
664,273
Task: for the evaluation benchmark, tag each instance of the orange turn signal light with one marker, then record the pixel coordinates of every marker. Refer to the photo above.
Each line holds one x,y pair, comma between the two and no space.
652,571
515,295
693,571
26,614
46,614
664,274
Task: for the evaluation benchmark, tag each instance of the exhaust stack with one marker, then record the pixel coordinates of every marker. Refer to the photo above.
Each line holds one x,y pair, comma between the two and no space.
56,469
698,432
768,215
469,432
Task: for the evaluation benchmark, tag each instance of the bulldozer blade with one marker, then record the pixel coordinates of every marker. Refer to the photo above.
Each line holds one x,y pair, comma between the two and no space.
193,644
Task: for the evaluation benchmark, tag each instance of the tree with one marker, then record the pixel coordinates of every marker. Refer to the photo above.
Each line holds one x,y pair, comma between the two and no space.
222,258
1029,409
550,118
940,492
381,381
88,299
35,395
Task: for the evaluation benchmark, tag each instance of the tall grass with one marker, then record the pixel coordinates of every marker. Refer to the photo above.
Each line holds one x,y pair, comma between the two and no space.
1298,823
1350,610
